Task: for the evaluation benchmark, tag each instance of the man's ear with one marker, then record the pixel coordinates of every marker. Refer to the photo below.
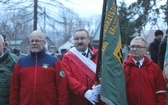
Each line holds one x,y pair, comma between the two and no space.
3,44
44,41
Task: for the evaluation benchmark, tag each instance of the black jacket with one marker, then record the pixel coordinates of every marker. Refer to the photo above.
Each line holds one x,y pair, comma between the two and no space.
153,49
161,52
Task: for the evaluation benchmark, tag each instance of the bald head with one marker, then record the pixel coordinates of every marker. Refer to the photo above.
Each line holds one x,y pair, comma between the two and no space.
38,33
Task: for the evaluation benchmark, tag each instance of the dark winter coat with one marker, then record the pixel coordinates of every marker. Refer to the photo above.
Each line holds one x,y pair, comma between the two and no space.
7,62
153,49
161,52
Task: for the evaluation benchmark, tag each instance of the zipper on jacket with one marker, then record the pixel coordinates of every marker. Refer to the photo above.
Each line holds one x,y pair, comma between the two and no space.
35,77
139,86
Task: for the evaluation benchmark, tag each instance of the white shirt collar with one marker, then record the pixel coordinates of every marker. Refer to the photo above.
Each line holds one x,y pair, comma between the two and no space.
141,61
86,51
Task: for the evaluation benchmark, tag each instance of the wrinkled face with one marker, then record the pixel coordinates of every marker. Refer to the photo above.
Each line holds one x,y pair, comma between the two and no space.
138,49
81,40
36,42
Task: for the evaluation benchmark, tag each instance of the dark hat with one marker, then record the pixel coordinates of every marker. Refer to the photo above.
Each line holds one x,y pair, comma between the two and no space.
158,32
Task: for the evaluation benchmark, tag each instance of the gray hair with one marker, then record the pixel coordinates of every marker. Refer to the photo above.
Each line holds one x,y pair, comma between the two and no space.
81,29
39,32
142,39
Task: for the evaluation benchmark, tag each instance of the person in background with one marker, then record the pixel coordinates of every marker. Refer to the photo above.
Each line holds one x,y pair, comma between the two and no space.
162,50
6,43
154,46
38,78
7,61
5,40
79,64
145,84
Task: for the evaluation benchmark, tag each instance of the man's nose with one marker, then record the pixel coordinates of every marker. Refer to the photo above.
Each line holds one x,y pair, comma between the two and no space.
80,40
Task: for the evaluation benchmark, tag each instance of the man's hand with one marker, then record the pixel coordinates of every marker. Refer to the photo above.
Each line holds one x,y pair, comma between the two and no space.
96,89
93,98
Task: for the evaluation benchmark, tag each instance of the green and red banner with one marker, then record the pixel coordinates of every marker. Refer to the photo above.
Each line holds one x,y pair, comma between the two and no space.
113,89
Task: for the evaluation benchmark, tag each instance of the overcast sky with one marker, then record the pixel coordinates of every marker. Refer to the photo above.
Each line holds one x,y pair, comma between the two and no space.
87,8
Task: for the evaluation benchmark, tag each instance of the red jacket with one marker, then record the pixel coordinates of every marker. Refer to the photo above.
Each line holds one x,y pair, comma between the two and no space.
144,85
78,80
38,79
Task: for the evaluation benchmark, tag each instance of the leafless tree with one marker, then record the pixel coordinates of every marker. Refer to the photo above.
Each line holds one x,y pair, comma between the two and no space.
20,17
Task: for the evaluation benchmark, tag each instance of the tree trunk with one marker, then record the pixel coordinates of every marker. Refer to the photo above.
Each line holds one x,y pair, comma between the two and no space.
35,15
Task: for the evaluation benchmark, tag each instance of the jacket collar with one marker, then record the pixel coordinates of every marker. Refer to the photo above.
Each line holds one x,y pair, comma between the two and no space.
38,54
146,61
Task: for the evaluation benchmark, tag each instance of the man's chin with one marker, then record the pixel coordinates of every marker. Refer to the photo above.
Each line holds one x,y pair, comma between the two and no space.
34,51
80,49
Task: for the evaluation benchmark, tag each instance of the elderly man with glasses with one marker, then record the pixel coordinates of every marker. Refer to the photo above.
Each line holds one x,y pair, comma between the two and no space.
145,84
38,78
79,64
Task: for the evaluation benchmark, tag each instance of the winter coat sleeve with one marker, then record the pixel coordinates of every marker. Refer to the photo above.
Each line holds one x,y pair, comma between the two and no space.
61,84
15,86
160,88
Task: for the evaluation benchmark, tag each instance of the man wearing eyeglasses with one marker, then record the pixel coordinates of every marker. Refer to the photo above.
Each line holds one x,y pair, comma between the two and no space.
144,80
38,78
79,64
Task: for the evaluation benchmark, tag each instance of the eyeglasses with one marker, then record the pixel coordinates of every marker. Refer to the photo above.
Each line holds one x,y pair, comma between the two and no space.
137,47
36,41
82,38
